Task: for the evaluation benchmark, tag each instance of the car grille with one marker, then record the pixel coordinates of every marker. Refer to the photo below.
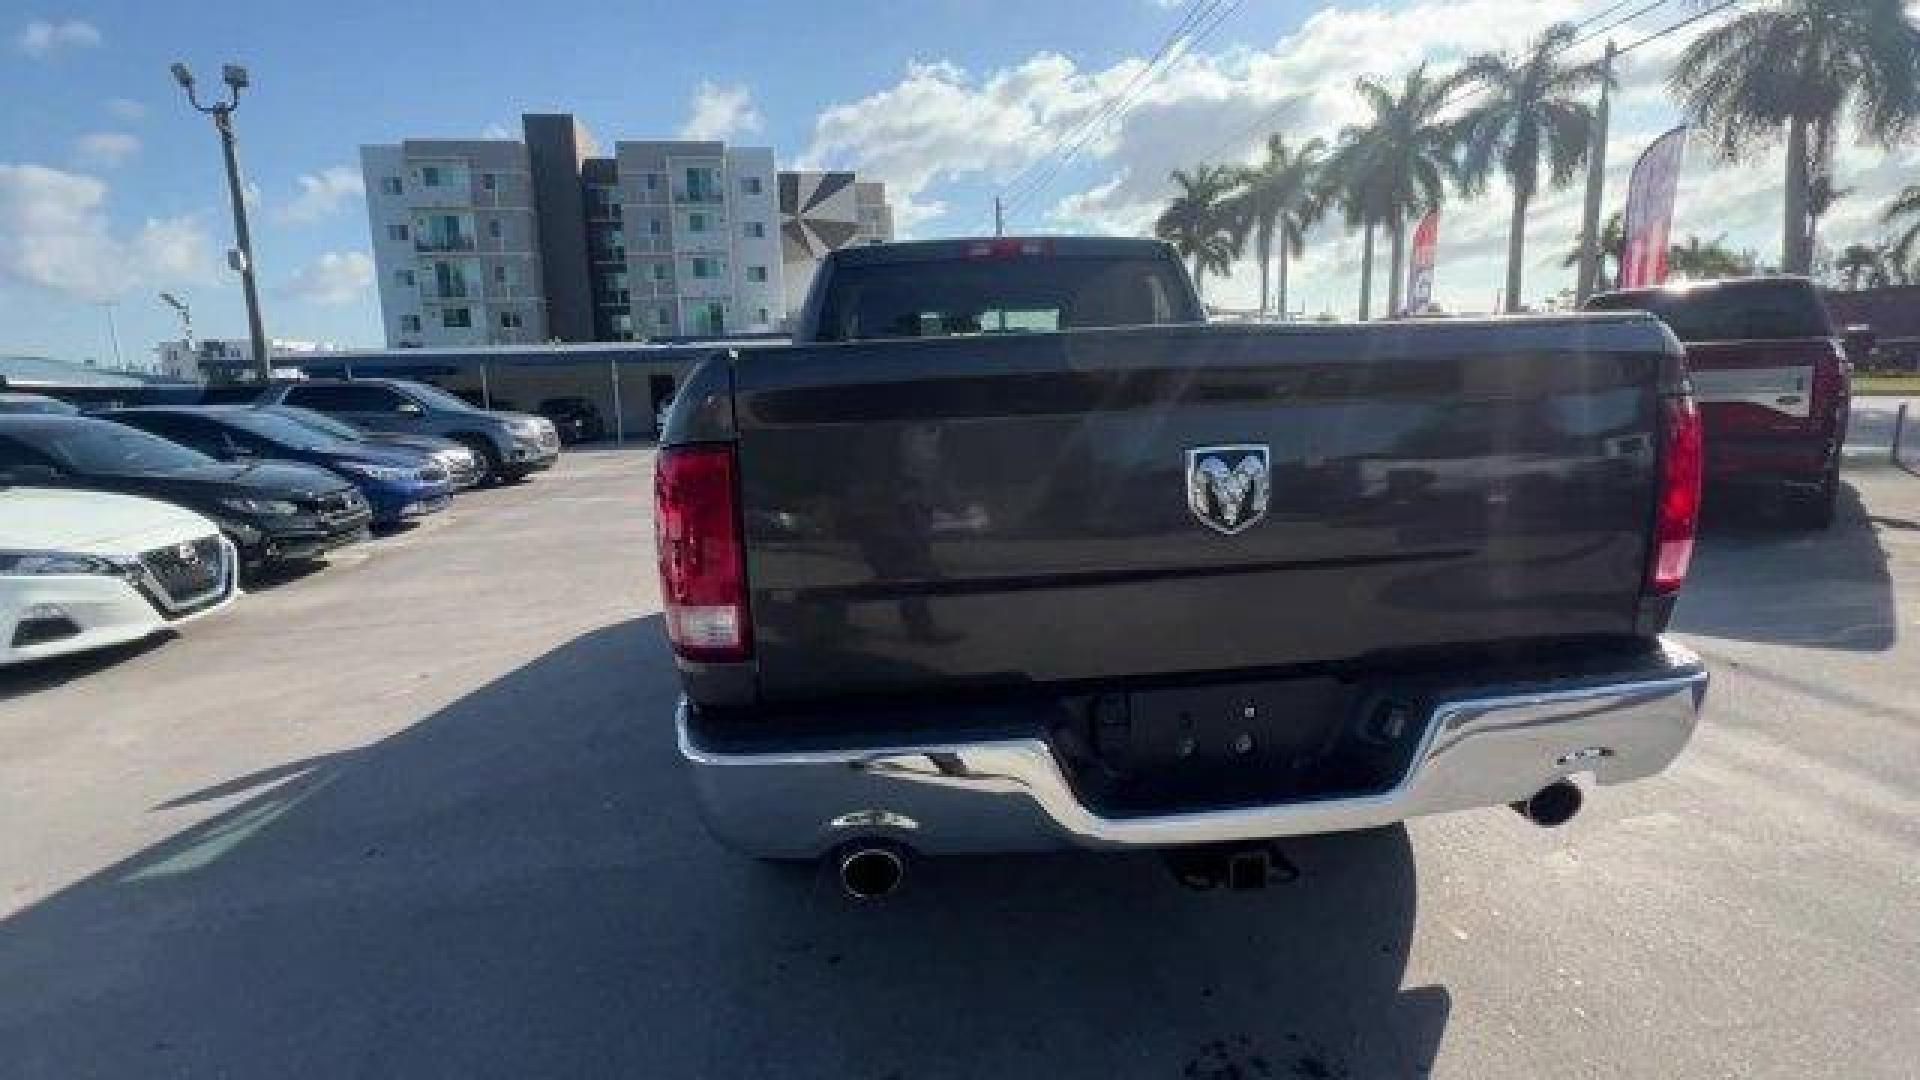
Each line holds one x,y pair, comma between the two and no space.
184,578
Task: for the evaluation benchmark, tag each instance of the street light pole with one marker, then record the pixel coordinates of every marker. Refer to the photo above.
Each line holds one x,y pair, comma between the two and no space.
241,257
186,321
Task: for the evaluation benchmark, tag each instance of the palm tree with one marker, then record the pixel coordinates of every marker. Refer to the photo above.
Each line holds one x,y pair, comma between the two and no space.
1803,65
1202,222
1697,261
1613,247
1348,183
1533,111
1859,266
1276,199
1409,156
1907,245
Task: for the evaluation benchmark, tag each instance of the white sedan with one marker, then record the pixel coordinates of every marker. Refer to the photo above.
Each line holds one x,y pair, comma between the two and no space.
84,569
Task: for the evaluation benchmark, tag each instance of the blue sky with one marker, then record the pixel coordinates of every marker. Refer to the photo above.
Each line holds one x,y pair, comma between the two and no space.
110,188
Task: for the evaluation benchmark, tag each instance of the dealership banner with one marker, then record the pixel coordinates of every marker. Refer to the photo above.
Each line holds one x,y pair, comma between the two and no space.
1650,193
1420,267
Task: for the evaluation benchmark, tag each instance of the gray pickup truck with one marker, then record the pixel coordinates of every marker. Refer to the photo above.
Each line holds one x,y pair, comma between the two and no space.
1011,552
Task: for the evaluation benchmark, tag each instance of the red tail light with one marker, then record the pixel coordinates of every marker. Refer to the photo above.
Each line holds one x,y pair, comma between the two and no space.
1677,514
703,578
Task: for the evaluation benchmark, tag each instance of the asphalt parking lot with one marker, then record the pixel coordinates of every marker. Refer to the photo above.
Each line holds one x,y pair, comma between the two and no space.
419,815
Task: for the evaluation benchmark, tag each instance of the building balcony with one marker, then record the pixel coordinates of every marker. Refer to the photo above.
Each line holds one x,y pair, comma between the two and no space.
444,243
699,196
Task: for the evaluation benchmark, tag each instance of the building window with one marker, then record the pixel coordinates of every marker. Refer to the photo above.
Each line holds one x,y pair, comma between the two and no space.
756,273
409,324
499,275
704,267
488,180
456,318
654,226
756,229
404,277
696,223
702,185
429,176
390,185
659,271
750,185
397,233
664,317
763,317
493,228
653,181
510,320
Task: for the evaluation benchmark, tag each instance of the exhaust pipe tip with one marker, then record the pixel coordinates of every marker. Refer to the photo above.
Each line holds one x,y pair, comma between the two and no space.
871,871
1553,805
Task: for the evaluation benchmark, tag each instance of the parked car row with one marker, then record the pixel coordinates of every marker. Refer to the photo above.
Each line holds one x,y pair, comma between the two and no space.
118,524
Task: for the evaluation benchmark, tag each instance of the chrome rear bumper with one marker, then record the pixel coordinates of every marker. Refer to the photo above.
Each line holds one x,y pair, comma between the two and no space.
1479,750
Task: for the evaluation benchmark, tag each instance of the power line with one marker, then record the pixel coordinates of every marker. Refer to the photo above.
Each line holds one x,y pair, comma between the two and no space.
1195,9
1218,13
1688,21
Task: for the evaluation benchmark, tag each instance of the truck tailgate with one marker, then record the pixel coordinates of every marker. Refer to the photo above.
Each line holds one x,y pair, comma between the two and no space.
1002,511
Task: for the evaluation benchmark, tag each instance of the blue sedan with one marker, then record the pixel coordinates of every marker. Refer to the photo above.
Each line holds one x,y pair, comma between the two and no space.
397,482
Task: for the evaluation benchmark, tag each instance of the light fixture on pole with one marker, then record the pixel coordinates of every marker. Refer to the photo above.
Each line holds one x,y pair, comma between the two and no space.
241,257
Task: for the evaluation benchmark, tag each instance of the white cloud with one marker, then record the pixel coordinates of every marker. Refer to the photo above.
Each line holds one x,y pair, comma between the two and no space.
498,130
721,113
106,149
941,132
126,109
55,235
337,277
322,194
44,37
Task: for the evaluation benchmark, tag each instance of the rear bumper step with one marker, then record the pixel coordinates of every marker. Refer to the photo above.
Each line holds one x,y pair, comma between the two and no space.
1486,747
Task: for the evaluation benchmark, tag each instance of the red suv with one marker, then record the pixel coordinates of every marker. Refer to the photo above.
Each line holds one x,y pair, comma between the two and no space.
1772,379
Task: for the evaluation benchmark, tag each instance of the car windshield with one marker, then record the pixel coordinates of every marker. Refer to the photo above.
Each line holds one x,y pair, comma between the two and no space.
319,422
1743,311
437,398
281,430
103,448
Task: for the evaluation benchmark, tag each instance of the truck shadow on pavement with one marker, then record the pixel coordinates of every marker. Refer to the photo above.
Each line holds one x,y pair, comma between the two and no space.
1757,579
519,885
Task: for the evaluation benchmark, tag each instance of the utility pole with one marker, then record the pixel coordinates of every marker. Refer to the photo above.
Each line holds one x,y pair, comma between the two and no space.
999,218
241,257
113,335
1596,182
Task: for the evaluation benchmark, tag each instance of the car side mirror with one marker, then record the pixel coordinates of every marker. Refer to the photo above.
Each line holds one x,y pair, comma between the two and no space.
1859,341
410,408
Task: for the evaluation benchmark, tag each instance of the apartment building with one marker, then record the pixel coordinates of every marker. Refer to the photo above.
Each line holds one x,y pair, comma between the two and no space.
495,242
455,242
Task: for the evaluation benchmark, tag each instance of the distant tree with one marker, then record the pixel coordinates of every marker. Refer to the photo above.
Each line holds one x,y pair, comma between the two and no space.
1696,260
1905,250
1858,265
1535,113
1202,222
1613,248
1278,202
1803,66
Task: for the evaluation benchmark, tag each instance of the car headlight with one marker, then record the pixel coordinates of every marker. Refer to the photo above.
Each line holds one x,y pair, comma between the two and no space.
379,472
34,563
262,507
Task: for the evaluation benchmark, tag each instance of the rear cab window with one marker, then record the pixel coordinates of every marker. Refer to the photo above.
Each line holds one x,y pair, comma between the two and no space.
948,297
1787,308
